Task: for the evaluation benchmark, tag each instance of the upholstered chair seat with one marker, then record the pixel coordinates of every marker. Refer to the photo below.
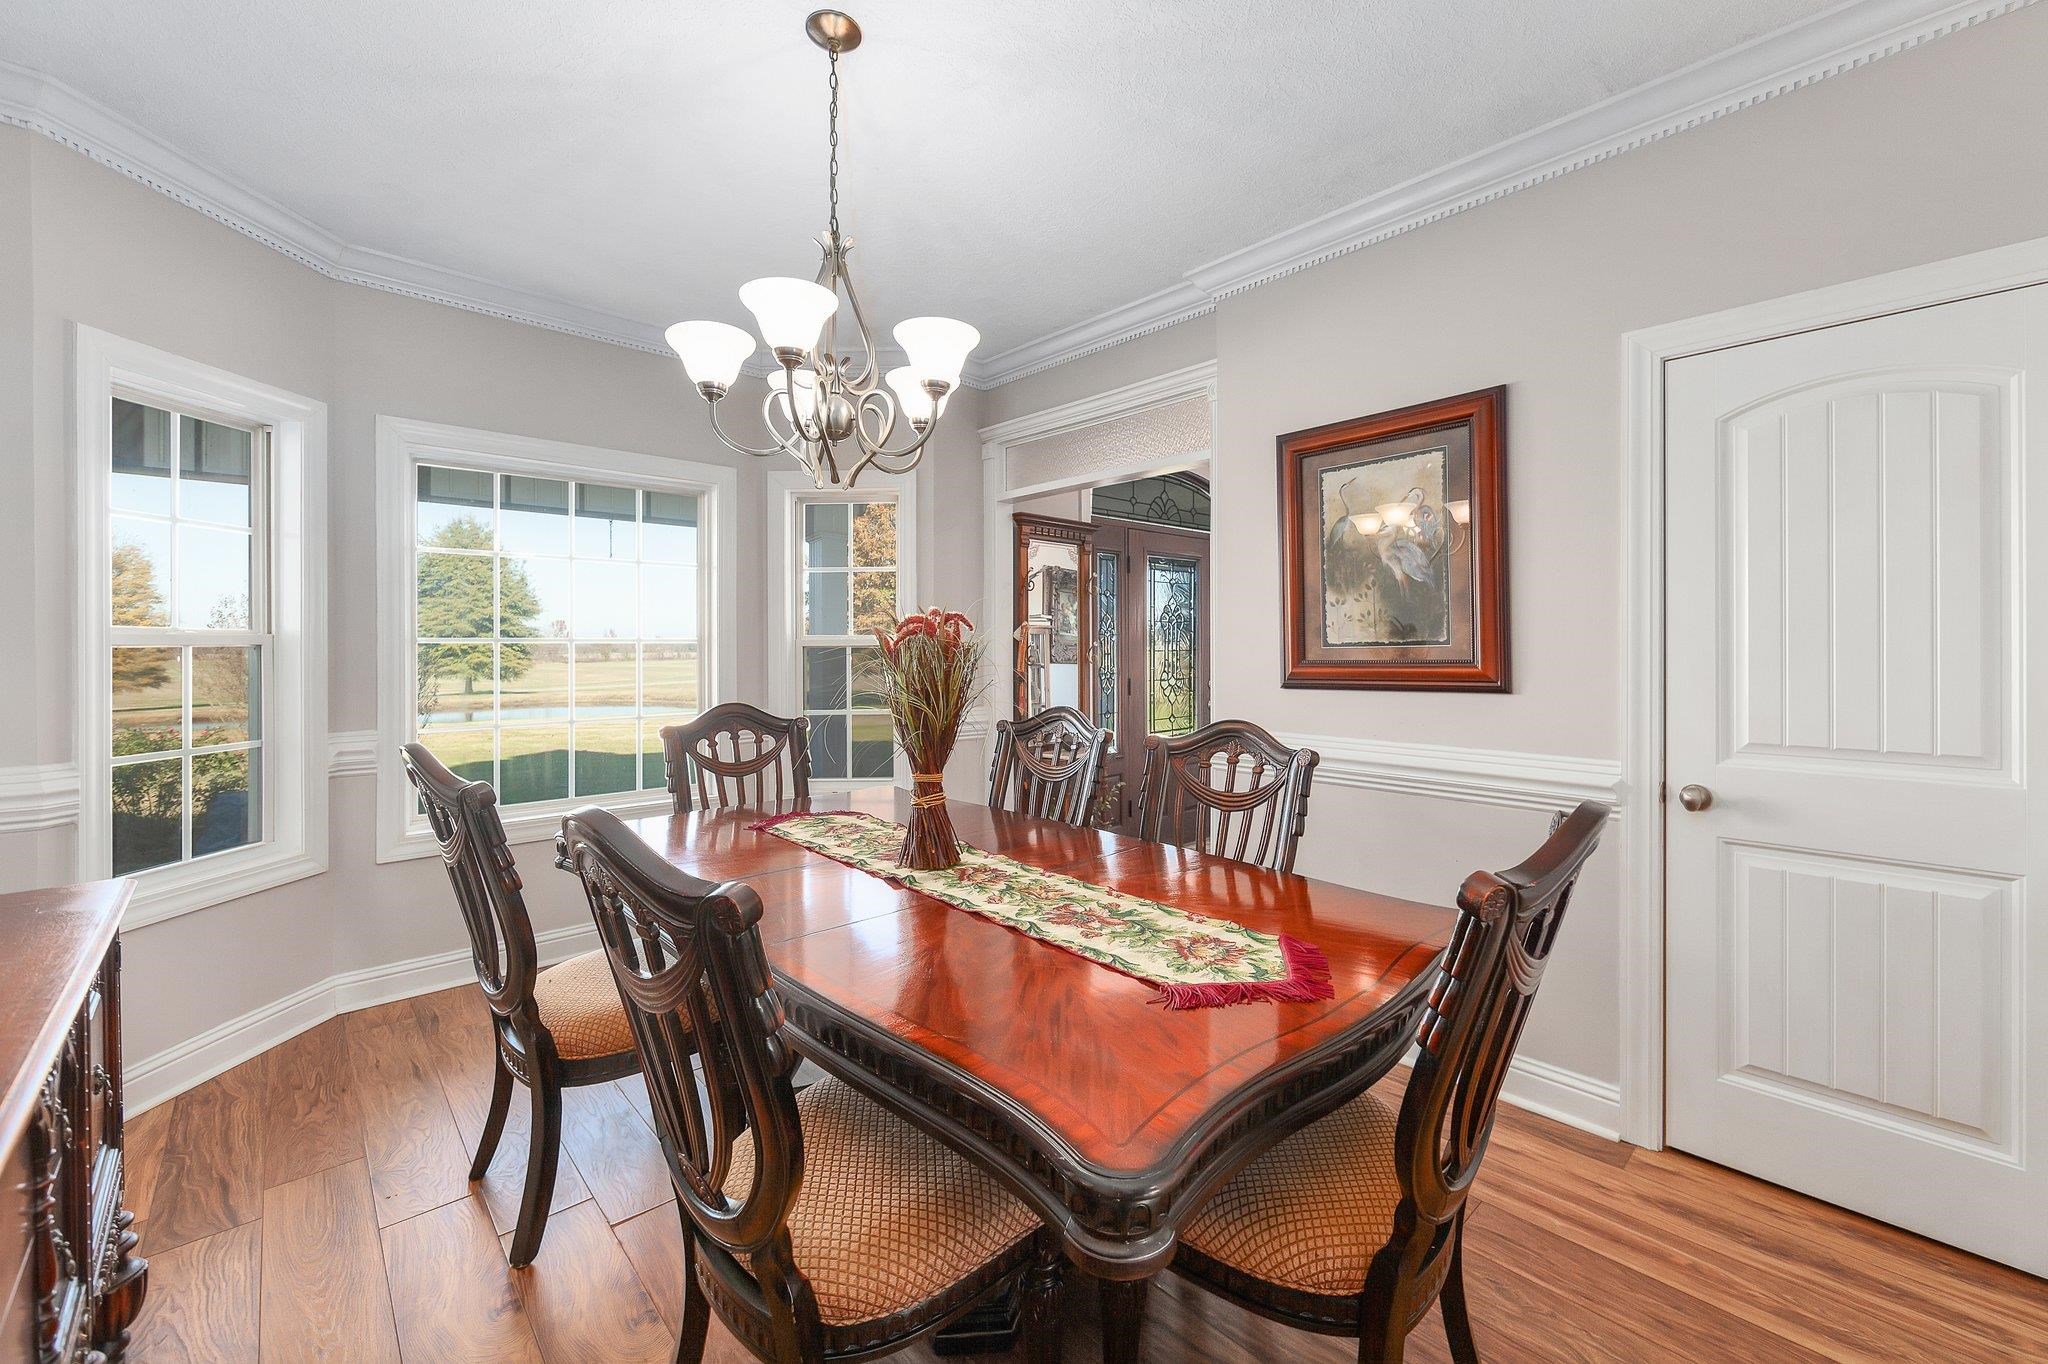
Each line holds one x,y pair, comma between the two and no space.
887,1219
1312,1212
580,1007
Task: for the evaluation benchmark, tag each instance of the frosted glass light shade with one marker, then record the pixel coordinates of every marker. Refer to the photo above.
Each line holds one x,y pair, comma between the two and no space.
789,312
911,399
1461,511
712,352
804,384
1366,523
1396,513
937,347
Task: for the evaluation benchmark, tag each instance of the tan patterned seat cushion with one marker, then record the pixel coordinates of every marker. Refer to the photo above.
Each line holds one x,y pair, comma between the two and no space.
579,1005
1310,1213
887,1217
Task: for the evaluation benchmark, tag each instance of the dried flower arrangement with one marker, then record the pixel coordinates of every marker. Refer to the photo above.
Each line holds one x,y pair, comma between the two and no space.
931,666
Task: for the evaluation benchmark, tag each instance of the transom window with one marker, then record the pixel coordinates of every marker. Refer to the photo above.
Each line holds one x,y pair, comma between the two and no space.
558,628
189,636
850,564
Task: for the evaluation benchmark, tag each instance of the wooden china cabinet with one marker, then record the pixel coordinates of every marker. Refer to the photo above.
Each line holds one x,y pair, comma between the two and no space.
70,1282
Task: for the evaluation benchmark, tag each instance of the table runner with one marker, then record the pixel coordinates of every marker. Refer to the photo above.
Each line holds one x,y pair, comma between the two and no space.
1195,961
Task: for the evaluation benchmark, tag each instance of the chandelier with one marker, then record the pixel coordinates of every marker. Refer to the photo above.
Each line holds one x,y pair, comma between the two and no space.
832,411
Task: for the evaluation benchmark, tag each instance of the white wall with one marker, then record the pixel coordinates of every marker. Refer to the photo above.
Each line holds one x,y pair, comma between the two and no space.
82,244
1925,155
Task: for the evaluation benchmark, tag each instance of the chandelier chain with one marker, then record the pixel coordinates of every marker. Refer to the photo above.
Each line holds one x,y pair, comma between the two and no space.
832,166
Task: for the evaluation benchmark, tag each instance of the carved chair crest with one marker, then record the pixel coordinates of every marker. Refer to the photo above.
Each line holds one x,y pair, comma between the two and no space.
1229,788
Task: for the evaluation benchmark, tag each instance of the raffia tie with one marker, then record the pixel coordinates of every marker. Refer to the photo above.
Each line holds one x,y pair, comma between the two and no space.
925,800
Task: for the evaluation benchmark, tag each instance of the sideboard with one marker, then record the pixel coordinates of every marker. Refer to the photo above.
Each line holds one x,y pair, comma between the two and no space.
70,1282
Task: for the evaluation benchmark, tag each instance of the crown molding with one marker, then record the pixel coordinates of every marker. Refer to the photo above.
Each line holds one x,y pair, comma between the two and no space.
1828,44
42,105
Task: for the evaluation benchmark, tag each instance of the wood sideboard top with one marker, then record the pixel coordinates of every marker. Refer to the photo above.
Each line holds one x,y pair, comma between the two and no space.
51,944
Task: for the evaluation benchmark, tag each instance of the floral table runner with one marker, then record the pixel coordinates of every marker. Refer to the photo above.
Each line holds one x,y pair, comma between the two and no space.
1196,962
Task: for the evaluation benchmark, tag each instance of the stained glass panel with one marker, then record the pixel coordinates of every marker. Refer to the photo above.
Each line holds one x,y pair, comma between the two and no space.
1172,687
1107,682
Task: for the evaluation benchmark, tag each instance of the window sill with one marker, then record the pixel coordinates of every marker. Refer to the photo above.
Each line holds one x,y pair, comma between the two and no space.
525,825
166,892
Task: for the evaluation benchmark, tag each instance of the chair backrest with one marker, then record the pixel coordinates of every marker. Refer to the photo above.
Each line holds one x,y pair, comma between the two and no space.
1229,788
687,957
1048,765
464,818
737,754
1507,924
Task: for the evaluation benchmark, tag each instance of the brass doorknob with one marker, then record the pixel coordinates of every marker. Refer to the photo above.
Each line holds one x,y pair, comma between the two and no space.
1695,798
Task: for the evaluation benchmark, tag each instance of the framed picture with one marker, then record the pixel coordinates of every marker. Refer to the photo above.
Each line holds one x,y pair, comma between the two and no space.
1393,542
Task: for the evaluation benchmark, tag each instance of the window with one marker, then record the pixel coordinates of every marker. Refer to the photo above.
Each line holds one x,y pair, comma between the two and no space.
202,645
850,567
558,610
189,632
849,591
557,630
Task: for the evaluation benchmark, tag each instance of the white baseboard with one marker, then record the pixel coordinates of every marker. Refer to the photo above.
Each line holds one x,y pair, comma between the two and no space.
1570,1098
172,1071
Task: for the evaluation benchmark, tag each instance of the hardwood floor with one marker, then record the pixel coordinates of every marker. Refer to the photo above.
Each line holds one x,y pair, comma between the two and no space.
311,1204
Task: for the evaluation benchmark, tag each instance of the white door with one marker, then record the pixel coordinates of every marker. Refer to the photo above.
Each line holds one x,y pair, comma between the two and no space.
1855,674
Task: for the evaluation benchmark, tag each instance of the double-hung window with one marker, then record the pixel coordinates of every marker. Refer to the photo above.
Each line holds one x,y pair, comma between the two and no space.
850,574
559,609
202,727
189,635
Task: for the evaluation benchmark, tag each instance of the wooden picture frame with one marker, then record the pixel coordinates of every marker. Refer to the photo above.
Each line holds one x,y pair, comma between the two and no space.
1383,585
1034,647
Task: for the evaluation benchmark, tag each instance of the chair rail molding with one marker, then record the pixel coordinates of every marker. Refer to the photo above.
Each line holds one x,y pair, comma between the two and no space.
38,796
1836,40
1644,355
1520,781
352,753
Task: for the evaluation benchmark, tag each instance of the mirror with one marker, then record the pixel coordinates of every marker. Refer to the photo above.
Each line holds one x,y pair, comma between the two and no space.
1055,590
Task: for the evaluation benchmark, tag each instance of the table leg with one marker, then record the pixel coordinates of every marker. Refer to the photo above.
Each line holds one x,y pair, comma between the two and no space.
1123,1318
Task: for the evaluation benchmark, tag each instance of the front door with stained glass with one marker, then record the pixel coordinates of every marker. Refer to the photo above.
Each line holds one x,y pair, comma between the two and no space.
1151,654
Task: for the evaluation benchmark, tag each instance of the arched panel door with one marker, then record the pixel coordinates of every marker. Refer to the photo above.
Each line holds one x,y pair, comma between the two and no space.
1856,766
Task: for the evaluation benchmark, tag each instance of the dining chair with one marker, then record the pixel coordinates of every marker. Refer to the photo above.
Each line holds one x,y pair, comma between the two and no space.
819,1224
732,747
552,1028
1048,765
1355,1224
1216,788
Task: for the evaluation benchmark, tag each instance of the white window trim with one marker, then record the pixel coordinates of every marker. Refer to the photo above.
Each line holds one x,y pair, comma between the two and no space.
403,444
786,494
295,707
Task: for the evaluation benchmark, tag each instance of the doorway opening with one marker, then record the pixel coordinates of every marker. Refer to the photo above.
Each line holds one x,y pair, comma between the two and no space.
1111,588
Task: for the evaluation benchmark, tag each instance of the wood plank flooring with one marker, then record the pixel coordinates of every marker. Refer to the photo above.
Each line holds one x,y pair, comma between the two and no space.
312,1204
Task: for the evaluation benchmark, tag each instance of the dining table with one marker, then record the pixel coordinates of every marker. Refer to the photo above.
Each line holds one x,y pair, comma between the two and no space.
1112,1116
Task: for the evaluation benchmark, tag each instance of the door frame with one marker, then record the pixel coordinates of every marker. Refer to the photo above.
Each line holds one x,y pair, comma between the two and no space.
1644,356
998,498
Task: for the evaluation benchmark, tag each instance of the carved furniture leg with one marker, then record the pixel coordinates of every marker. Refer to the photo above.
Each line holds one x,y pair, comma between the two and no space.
1042,1301
696,1310
1123,1318
1457,1323
494,1119
540,1167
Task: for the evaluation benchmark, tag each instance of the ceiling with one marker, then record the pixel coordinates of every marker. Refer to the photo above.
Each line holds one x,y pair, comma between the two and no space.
1022,166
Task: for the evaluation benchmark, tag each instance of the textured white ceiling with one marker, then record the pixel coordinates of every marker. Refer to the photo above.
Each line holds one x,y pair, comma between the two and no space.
1019,165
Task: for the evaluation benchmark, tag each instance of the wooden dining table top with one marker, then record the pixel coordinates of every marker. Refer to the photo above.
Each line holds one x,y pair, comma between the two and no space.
1119,1091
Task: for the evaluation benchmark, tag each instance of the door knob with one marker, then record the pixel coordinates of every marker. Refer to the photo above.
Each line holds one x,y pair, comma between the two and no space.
1695,798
